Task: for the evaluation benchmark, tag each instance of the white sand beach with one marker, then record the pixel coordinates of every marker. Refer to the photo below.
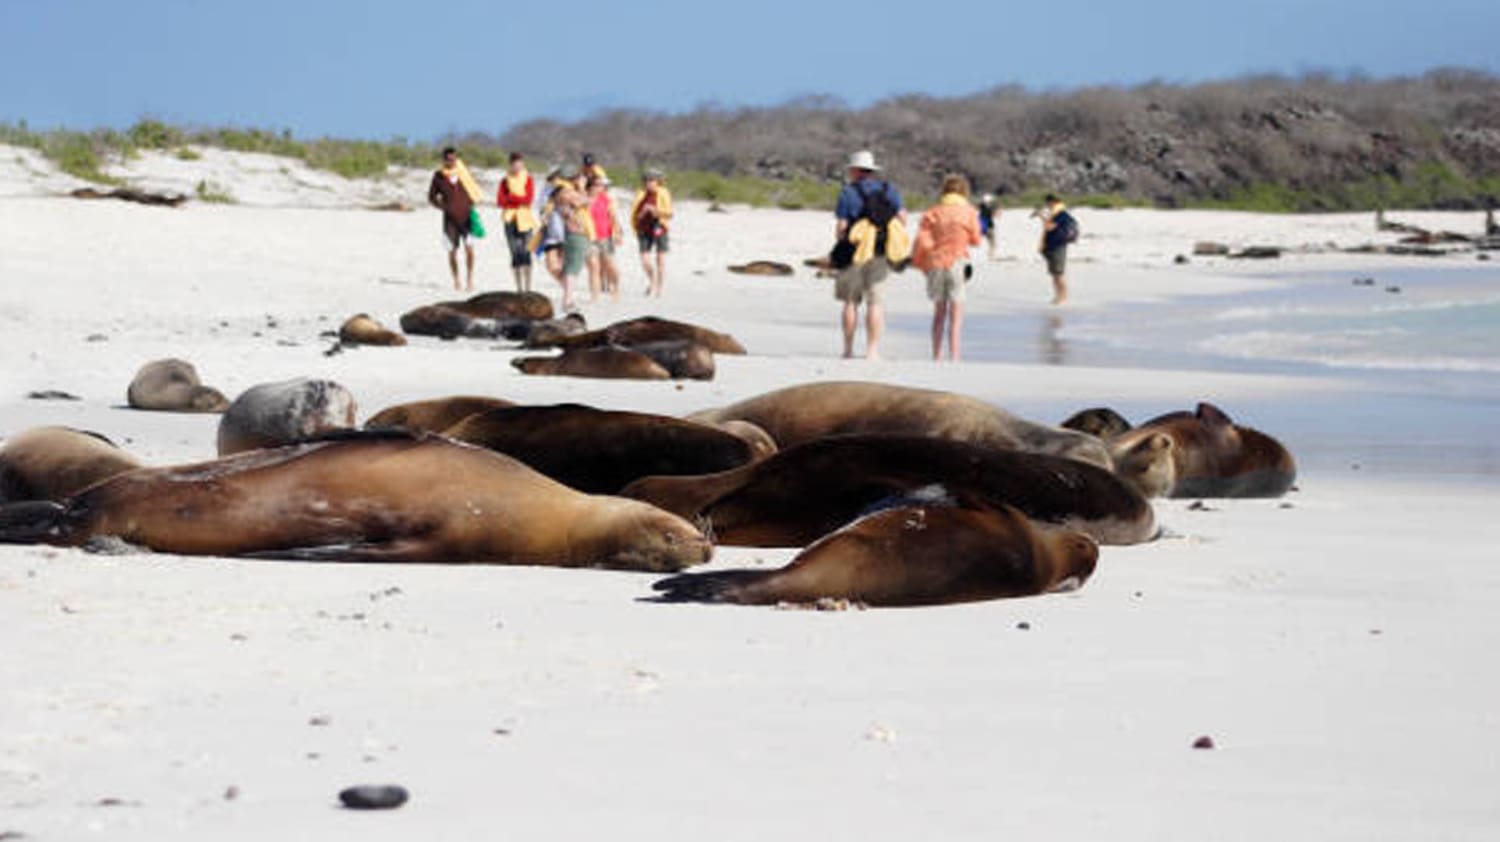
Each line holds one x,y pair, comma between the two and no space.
1332,644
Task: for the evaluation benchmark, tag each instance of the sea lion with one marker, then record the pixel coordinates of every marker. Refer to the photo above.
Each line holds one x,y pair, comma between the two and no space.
172,385
910,556
607,362
1100,421
434,415
531,306
274,414
806,491
570,325
51,463
445,322
365,497
1202,454
599,451
646,329
763,267
814,410
760,441
363,330
683,359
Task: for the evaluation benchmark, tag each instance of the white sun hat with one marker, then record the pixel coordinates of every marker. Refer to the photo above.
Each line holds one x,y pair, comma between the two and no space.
864,159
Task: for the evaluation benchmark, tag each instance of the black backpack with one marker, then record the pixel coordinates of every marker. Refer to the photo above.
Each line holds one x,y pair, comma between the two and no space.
880,209
1068,226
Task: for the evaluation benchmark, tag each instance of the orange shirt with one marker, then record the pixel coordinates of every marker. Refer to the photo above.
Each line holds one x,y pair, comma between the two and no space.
948,230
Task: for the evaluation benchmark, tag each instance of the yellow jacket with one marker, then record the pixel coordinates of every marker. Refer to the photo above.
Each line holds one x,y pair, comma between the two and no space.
863,235
523,216
663,207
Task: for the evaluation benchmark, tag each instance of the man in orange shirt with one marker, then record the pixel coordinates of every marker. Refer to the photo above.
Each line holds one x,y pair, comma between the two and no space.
949,229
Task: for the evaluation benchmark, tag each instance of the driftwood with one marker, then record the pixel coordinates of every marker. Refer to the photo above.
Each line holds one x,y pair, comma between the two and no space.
130,194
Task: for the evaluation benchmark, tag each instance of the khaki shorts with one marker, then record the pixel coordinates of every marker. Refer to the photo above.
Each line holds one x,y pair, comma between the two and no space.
861,283
945,284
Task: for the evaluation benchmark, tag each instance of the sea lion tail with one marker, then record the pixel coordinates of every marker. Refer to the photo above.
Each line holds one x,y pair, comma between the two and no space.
33,522
722,586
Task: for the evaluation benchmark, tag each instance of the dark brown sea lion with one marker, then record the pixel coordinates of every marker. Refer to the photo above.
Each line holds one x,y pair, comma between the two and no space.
51,463
172,385
570,325
275,414
1202,454
434,415
812,411
806,491
607,362
367,497
1099,421
599,451
683,359
445,322
760,441
363,330
647,329
532,306
910,556
763,267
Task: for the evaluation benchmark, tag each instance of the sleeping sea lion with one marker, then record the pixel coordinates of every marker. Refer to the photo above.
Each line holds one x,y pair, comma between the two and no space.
366,497
363,330
763,267
274,414
444,322
172,385
683,359
599,451
1099,421
434,415
910,556
811,411
532,306
806,491
51,463
607,362
760,441
1202,454
646,329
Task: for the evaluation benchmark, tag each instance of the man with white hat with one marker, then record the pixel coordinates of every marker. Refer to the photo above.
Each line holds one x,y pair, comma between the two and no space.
865,196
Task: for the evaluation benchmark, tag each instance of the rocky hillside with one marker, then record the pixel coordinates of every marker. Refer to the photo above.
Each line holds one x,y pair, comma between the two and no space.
1309,143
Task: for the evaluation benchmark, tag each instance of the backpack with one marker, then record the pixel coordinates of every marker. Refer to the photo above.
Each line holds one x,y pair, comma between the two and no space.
1068,226
879,209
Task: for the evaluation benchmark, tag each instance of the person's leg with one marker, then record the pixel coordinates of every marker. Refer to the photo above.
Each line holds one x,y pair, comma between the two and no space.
647,268
469,263
874,327
453,265
594,275
553,258
661,270
939,313
850,321
1059,289
612,276
955,329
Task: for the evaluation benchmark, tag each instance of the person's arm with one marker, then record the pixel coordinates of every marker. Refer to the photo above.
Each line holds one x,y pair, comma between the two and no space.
971,225
435,192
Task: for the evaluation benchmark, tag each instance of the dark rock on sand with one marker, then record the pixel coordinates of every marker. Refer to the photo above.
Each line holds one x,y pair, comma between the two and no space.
367,797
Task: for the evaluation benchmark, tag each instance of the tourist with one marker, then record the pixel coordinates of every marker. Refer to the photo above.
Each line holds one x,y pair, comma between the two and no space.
948,230
516,196
454,192
869,210
602,266
651,217
1059,229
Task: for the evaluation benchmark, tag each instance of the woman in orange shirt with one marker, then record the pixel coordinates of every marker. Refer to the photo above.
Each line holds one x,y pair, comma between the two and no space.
949,229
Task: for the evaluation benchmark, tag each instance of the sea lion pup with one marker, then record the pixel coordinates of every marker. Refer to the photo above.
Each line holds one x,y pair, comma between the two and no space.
807,491
647,329
531,306
434,415
763,267
1099,421
363,330
1202,454
172,385
682,358
599,451
814,410
274,414
607,362
369,497
51,463
444,322
910,556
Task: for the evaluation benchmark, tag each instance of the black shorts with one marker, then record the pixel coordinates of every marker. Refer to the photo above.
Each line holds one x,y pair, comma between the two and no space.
1057,260
648,241
456,233
520,255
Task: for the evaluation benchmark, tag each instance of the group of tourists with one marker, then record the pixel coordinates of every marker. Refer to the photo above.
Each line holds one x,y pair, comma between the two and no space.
570,222
870,239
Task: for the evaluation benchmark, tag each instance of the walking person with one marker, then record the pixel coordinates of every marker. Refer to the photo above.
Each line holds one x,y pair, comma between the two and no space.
1059,228
989,208
869,212
602,266
455,192
572,203
547,239
516,196
948,230
651,216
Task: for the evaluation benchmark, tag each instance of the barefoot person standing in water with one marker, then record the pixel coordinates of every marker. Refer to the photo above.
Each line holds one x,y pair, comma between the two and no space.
948,230
1059,228
866,210
454,192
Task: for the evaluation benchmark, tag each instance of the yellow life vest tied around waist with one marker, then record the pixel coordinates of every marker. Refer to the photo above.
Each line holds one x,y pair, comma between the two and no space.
863,235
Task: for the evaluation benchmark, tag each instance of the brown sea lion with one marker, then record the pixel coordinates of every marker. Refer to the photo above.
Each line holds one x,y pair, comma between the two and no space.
366,497
363,330
760,441
570,325
808,490
599,451
1099,421
763,267
1202,454
910,556
172,385
811,411
443,321
532,306
274,414
683,359
647,329
434,415
50,463
607,362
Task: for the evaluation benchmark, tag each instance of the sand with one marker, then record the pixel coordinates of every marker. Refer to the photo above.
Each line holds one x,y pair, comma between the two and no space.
1332,644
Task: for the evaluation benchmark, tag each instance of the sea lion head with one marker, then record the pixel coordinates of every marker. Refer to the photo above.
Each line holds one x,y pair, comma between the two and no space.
1099,421
1145,462
207,399
639,536
1074,556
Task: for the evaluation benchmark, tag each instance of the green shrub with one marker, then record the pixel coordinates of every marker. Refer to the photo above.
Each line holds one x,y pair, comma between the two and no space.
213,193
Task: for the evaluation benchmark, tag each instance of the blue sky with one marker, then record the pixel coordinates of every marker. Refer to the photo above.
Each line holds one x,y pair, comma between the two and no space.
384,69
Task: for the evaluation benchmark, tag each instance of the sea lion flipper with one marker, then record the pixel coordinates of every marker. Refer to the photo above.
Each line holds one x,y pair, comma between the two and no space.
32,521
720,586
